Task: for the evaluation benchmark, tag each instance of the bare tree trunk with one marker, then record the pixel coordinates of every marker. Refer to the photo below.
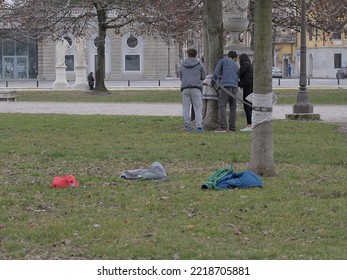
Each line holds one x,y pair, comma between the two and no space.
206,51
213,24
262,161
100,66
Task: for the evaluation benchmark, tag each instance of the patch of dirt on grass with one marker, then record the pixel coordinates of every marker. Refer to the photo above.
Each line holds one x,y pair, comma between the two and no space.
343,128
99,93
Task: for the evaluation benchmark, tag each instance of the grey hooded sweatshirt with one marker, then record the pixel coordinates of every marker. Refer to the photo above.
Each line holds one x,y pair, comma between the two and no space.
192,73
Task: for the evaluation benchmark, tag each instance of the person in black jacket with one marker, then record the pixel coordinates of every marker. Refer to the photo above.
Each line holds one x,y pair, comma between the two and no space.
91,80
246,83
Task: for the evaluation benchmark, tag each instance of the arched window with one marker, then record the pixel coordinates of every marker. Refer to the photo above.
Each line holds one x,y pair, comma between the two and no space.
69,40
96,42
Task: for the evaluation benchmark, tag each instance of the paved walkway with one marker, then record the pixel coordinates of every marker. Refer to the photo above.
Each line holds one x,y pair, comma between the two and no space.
328,113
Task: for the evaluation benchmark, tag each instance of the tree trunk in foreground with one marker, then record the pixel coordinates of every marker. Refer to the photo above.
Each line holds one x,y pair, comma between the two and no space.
213,25
261,161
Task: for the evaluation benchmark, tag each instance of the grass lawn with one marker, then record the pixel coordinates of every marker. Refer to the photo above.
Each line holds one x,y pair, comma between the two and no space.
298,214
285,96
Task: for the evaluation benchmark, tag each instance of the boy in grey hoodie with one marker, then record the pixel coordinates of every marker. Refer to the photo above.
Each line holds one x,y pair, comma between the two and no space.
192,73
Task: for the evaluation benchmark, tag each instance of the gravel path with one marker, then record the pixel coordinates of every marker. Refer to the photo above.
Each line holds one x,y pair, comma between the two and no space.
328,113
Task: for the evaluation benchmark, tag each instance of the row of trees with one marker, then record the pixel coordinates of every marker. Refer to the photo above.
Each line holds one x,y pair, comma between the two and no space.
327,16
169,20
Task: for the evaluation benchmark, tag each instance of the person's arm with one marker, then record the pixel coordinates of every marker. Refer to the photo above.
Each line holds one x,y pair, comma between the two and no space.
180,72
203,73
216,73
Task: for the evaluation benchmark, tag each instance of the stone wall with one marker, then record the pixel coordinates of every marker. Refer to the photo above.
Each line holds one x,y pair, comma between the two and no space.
320,61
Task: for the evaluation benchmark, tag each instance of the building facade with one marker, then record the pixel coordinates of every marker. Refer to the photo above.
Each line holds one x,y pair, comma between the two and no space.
127,57
324,56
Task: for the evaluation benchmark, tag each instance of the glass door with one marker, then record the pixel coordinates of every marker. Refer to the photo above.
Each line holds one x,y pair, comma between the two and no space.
8,67
21,67
15,67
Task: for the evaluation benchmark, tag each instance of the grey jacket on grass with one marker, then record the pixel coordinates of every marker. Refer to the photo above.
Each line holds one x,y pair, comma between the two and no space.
155,172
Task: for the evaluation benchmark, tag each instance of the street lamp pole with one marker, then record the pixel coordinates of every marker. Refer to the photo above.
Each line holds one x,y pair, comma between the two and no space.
168,61
302,105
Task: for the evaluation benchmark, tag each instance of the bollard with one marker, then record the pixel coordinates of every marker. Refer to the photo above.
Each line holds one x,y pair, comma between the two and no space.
128,83
6,83
279,81
158,83
37,83
308,81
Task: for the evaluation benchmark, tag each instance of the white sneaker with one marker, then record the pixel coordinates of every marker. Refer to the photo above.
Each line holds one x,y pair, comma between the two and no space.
246,129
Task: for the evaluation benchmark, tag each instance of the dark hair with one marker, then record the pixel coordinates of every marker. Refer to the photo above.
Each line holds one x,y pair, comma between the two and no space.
232,54
192,52
243,57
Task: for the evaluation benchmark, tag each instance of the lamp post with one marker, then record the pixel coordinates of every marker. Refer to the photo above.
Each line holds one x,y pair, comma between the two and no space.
302,103
168,61
303,109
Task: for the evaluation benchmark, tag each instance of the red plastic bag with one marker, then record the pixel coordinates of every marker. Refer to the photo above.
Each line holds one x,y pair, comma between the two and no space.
64,182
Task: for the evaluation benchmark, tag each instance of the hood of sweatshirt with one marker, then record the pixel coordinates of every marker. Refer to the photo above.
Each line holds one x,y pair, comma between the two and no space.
190,63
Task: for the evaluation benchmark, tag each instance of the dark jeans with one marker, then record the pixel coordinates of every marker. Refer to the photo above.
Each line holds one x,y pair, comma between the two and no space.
223,100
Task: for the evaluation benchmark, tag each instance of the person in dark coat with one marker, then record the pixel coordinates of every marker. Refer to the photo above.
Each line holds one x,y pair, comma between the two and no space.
91,80
289,68
246,83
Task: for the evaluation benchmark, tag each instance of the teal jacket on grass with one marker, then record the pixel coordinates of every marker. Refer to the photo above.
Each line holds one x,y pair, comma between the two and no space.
226,178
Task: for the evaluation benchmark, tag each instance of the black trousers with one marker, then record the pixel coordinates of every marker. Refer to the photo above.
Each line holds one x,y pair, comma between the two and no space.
247,90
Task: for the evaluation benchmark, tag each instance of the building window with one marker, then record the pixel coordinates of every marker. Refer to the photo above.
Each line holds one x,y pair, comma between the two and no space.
18,59
68,39
337,60
132,62
310,32
337,35
9,47
22,48
69,62
96,42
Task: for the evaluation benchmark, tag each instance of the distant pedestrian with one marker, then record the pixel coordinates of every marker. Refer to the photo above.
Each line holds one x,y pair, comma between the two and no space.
289,69
91,80
228,71
191,74
246,83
